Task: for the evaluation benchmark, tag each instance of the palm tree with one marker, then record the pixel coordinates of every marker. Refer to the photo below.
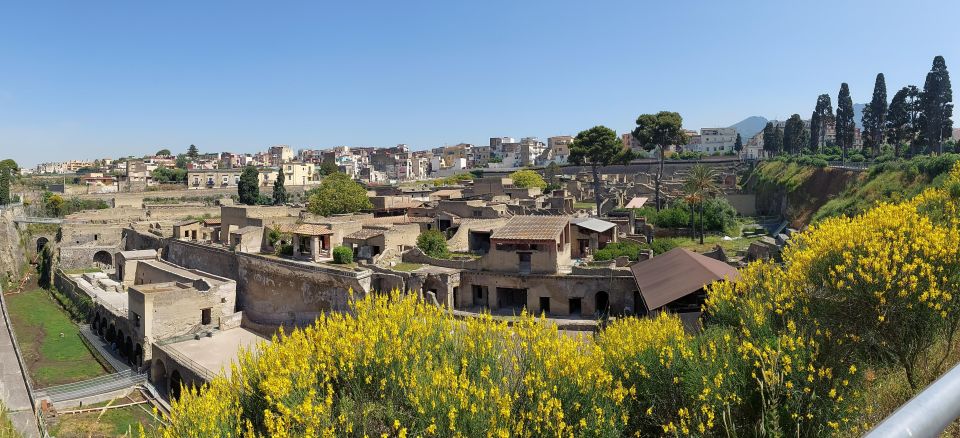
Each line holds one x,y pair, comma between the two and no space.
699,185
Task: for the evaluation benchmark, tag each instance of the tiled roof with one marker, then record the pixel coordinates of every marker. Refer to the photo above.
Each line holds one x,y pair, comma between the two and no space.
312,230
532,228
364,234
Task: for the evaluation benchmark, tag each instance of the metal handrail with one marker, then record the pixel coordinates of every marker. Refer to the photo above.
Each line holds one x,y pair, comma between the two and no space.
928,413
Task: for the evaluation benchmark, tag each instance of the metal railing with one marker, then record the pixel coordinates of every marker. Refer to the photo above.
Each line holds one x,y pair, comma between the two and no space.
928,413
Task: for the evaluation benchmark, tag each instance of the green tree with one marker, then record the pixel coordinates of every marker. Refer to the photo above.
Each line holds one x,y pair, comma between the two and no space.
701,184
551,174
845,123
793,138
738,144
433,243
936,104
328,168
772,139
182,161
45,267
10,164
338,194
164,153
657,132
821,118
4,185
248,189
193,152
597,147
901,121
875,117
527,178
53,204
279,191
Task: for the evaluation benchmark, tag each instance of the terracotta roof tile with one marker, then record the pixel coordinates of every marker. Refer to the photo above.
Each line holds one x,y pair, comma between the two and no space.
532,228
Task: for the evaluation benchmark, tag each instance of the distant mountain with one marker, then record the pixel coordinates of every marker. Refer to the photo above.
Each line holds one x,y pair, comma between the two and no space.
750,126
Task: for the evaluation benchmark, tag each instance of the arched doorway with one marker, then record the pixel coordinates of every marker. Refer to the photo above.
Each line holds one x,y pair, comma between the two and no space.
103,326
176,385
41,242
603,303
111,333
103,258
138,356
119,339
158,374
128,349
95,324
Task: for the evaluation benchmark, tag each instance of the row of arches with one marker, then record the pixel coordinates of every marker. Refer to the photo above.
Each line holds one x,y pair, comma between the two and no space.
172,383
119,341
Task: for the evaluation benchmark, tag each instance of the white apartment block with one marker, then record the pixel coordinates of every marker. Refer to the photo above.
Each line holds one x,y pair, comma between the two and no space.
712,141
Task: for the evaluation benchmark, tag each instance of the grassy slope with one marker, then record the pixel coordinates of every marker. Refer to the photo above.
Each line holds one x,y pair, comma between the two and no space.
38,321
817,193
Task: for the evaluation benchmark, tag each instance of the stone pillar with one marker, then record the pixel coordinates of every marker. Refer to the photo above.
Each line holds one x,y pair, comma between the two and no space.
296,245
314,248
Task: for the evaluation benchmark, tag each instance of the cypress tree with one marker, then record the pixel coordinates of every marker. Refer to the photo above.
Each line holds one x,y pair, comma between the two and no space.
772,139
793,135
822,115
248,189
845,123
936,104
279,191
875,116
901,122
738,144
4,185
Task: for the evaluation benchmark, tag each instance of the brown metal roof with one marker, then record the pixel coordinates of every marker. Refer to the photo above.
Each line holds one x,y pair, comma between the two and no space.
312,230
676,274
532,228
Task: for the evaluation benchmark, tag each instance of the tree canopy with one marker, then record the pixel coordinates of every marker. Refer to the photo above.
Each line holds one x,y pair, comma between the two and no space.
658,131
527,178
164,153
821,118
845,123
597,147
4,185
248,189
279,191
338,194
936,103
193,152
875,116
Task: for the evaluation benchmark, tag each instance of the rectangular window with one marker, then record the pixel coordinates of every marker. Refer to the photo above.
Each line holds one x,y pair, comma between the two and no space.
206,316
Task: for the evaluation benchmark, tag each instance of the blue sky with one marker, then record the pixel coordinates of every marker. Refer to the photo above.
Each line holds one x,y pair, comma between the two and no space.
95,78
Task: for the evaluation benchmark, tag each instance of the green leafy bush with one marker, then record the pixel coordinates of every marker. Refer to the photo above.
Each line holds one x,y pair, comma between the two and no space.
619,249
434,244
342,255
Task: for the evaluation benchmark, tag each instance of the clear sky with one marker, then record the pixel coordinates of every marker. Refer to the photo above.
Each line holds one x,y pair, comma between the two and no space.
89,79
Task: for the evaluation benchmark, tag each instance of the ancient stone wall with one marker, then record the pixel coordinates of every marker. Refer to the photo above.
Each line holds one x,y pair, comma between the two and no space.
11,253
559,289
277,290
206,258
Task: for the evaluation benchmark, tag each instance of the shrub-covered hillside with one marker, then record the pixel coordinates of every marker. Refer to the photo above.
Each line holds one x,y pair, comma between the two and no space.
806,191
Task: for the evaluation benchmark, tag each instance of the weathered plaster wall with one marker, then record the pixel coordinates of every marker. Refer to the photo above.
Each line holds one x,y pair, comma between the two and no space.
281,290
213,260
558,288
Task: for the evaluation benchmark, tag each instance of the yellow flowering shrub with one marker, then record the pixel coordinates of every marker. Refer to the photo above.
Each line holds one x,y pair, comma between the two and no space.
398,366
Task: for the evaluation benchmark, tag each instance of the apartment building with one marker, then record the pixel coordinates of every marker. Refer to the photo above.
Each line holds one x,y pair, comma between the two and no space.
559,148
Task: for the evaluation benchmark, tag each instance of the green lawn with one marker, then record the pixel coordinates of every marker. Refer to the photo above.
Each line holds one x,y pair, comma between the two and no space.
114,422
52,359
711,241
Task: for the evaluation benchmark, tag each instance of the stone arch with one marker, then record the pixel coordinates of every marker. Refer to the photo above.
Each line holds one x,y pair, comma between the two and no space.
128,349
176,385
95,324
111,333
41,242
602,301
119,339
158,374
103,257
102,330
138,356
